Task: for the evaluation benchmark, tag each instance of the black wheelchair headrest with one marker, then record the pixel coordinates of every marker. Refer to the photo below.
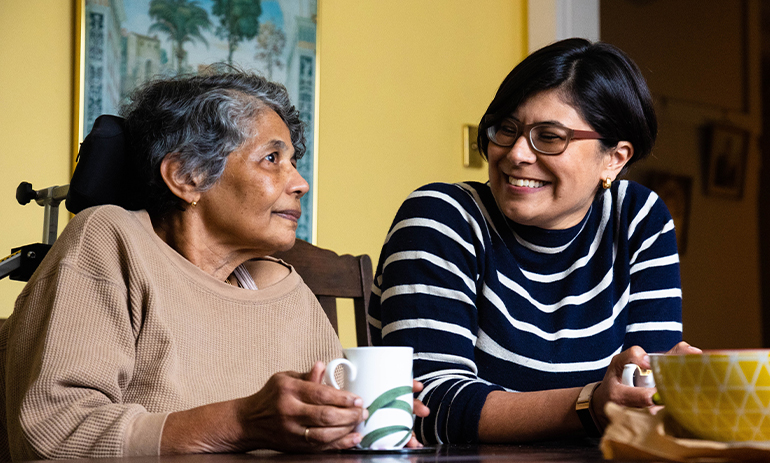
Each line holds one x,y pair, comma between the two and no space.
103,174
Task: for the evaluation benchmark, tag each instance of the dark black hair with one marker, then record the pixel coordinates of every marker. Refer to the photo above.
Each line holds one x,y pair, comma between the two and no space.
202,118
599,80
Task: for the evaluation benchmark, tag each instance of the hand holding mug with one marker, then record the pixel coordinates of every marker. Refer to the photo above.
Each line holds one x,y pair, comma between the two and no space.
612,388
620,375
295,411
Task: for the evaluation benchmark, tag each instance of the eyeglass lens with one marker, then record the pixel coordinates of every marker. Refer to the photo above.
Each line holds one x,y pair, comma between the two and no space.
546,138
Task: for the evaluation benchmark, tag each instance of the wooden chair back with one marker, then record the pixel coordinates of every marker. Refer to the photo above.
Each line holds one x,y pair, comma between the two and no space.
331,276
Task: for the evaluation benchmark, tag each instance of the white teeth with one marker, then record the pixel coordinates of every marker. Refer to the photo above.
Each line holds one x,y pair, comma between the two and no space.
525,182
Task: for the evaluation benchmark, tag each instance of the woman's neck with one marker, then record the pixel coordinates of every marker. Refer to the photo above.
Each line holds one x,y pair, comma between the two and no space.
188,236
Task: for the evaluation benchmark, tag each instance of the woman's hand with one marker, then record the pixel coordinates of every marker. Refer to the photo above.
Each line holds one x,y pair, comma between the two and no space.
612,389
419,409
337,434
297,412
292,412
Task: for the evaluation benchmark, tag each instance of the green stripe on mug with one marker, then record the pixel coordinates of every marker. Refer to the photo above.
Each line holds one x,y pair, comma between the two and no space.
378,434
388,399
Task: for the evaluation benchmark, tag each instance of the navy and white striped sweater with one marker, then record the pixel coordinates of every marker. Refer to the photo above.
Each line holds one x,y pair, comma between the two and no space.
488,304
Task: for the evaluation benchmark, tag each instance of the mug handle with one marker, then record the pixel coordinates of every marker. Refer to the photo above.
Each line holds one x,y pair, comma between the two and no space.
634,376
346,365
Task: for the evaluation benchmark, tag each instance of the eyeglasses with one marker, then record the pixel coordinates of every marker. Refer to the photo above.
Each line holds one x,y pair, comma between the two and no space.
543,137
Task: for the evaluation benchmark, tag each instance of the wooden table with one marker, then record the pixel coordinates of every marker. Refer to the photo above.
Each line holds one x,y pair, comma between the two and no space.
574,451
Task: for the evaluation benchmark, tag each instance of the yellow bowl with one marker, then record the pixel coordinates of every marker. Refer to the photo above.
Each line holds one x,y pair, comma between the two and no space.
718,395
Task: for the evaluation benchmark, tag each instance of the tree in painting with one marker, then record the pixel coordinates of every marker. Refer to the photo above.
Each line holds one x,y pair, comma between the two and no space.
183,21
270,43
238,21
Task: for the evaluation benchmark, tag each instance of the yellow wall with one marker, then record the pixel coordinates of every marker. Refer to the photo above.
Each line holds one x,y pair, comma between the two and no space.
398,79
36,62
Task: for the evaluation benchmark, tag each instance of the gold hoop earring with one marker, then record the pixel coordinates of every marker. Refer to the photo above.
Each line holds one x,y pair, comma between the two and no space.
607,183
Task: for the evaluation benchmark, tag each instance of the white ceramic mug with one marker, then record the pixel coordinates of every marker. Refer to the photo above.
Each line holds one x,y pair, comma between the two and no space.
382,377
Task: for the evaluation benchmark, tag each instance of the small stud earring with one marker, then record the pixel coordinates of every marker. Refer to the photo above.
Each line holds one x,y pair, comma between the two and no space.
607,183
194,203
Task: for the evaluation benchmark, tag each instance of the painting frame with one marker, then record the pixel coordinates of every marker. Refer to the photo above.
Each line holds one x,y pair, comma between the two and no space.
726,156
298,72
676,193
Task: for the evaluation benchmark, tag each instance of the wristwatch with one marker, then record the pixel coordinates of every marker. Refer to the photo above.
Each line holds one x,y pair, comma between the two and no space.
584,412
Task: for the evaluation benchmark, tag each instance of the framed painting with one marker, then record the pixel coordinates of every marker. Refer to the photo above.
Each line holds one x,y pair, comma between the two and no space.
676,193
727,147
122,43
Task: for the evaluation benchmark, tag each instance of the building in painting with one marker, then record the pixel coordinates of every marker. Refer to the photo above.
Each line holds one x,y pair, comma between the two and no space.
104,50
142,58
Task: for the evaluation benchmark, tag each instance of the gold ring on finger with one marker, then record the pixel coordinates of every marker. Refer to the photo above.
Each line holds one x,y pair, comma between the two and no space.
307,433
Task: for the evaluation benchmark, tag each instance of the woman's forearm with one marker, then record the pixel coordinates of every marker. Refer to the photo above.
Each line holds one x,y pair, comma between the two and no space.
292,412
212,428
529,416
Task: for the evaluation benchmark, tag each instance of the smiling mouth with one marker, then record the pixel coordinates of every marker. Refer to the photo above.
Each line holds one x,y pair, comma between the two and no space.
525,182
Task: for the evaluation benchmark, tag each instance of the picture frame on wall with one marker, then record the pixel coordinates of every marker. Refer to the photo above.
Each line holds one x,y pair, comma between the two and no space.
676,193
121,44
726,153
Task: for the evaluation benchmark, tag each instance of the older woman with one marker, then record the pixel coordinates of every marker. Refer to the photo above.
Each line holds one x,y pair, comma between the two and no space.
163,330
524,297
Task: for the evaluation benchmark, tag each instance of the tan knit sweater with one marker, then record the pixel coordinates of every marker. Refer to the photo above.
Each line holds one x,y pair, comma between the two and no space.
116,330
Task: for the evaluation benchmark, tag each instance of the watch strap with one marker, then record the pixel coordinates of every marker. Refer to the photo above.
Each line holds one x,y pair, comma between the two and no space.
584,412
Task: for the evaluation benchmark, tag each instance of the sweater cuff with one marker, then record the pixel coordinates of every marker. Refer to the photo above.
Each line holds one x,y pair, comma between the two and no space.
144,434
